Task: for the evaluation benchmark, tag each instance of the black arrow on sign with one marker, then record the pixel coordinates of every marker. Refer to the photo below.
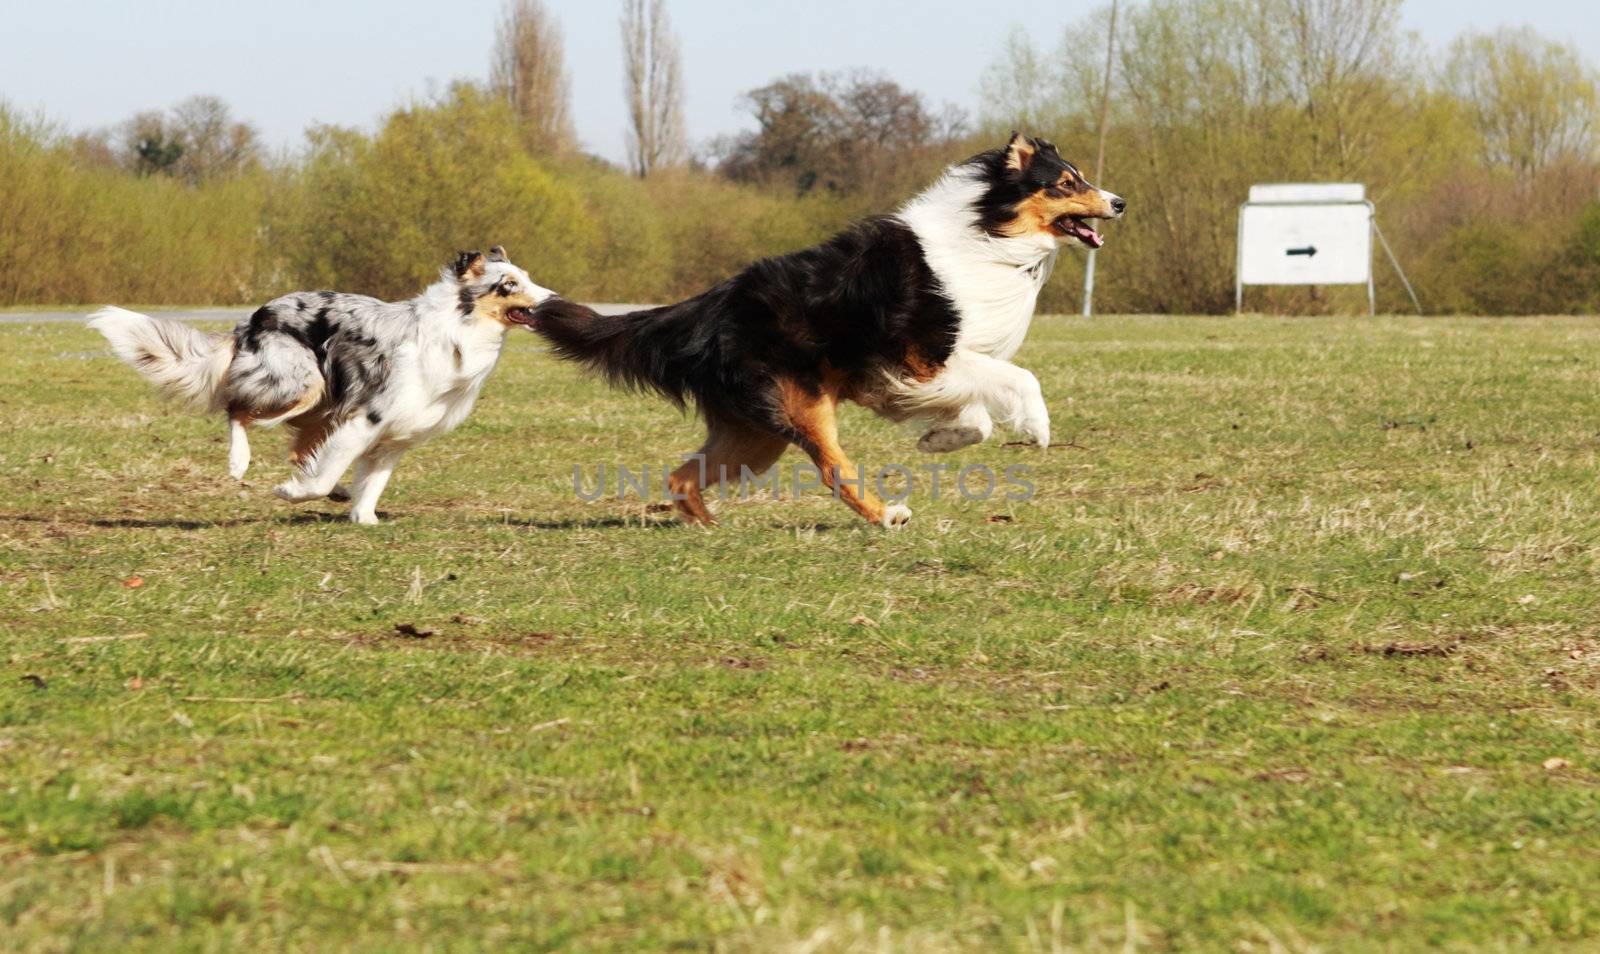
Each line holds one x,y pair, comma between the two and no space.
1309,251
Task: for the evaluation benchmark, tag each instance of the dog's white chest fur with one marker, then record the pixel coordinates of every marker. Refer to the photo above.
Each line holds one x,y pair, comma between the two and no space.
993,282
996,303
441,382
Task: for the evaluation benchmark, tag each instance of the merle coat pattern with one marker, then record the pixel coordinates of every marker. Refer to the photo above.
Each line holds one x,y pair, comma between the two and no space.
357,380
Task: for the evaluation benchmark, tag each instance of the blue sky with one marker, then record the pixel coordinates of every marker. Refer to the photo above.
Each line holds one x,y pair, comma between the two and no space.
289,63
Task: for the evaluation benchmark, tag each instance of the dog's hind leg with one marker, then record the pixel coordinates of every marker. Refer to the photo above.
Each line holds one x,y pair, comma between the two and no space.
238,448
326,461
729,450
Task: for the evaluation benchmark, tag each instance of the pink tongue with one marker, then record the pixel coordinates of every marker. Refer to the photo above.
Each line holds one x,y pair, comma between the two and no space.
1088,235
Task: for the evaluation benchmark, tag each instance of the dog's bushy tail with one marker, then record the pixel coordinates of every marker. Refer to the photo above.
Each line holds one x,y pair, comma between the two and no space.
186,364
653,349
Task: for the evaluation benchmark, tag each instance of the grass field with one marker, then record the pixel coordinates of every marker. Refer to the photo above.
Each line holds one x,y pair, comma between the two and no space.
1297,647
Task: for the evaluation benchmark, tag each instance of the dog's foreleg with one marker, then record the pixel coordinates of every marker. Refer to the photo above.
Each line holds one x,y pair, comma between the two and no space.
1010,394
372,476
238,449
971,425
321,471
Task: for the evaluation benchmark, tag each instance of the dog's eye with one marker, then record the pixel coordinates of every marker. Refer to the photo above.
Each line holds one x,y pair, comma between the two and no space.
510,288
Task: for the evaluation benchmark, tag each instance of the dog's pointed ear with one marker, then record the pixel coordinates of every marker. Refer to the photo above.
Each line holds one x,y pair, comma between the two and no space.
497,253
1019,152
469,265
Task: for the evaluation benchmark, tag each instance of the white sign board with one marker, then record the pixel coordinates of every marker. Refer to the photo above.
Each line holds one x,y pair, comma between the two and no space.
1305,233
1309,192
1296,244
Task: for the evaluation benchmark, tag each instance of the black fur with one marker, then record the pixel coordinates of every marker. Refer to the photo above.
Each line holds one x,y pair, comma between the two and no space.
861,303
1007,187
352,362
464,262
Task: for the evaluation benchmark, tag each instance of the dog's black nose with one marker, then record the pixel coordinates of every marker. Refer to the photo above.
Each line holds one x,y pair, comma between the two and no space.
1118,204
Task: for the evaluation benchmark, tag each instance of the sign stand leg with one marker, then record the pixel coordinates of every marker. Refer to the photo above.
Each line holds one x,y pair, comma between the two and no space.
1238,265
1396,263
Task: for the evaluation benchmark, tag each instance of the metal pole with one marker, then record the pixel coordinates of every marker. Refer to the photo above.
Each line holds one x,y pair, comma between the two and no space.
1396,263
1238,264
1088,285
1100,159
1372,228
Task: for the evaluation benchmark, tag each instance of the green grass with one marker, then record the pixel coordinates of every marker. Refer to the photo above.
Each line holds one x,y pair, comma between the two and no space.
1274,660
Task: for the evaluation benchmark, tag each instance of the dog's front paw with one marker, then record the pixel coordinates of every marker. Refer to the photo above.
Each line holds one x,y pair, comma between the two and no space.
896,516
367,518
1035,424
942,440
295,492
238,468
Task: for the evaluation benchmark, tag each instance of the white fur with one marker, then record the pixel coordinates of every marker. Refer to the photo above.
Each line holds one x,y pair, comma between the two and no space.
970,390
436,370
993,282
238,450
184,363
994,285
971,425
429,393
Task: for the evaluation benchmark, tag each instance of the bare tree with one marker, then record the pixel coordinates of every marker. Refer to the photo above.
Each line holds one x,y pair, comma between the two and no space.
653,87
856,133
197,140
149,145
529,69
214,145
1534,101
1338,59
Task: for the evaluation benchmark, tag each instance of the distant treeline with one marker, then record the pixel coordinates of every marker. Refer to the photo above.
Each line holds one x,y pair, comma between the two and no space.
1484,162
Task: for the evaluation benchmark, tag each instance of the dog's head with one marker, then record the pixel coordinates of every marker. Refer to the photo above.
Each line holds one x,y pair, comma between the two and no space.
1031,192
490,288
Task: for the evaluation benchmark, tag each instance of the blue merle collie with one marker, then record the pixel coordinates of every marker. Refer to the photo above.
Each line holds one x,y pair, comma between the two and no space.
359,381
915,315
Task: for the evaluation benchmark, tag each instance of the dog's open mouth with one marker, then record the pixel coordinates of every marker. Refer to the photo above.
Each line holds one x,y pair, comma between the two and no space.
520,316
1073,227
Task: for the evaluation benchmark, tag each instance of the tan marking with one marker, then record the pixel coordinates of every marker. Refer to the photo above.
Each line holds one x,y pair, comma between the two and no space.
1019,152
255,415
815,417
727,449
310,431
919,367
1039,212
493,306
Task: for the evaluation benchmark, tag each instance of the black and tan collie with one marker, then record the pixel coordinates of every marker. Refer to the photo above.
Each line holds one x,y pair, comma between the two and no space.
915,315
